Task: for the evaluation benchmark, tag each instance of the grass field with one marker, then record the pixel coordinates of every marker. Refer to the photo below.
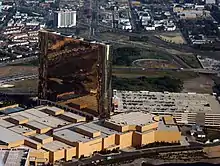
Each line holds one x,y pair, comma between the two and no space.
192,82
200,84
181,75
190,59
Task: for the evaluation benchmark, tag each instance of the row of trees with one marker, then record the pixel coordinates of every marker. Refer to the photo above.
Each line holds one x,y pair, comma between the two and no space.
151,84
125,56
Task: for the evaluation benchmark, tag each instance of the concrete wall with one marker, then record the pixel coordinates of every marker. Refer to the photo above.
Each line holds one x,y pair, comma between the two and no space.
136,139
113,126
40,155
69,153
32,144
88,148
148,137
108,141
87,133
57,155
15,144
148,127
167,136
124,140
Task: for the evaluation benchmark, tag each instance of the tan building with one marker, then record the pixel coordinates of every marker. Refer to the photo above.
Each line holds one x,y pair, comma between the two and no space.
142,128
52,134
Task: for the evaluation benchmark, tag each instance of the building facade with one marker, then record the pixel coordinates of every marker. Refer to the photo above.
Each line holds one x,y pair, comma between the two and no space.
75,73
64,18
1,6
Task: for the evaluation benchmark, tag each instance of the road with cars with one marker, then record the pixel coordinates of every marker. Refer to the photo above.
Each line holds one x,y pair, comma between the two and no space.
123,156
18,61
17,78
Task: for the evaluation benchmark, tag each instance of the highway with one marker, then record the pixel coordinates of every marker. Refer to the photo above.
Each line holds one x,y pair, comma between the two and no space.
4,80
17,78
17,61
139,69
126,156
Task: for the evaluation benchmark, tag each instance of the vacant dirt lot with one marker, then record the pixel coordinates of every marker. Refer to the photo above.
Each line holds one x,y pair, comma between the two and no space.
17,70
212,151
200,84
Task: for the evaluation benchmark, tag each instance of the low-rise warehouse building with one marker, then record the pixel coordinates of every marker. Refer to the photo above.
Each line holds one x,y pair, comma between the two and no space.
54,134
187,108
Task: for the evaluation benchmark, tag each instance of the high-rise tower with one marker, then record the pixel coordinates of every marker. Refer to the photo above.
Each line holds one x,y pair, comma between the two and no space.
64,18
75,73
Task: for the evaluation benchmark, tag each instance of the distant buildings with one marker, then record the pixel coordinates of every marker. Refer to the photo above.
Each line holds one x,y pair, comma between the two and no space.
20,35
1,6
210,2
64,18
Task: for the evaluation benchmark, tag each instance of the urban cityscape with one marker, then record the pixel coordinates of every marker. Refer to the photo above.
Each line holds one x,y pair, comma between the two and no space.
109,82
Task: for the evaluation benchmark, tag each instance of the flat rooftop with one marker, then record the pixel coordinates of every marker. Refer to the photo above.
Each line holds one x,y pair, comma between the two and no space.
165,102
72,136
20,129
7,136
37,125
52,121
72,115
36,113
132,118
164,127
98,126
5,123
53,110
42,136
28,115
55,145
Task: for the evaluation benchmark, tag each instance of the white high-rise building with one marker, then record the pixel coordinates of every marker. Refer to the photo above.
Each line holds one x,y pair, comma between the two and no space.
210,1
1,6
65,18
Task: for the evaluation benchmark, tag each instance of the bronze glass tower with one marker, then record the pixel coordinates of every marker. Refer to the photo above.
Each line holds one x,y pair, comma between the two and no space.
75,73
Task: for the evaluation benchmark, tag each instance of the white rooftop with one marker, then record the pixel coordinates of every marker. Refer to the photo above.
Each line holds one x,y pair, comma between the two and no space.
5,123
37,125
52,121
8,136
55,145
132,118
20,129
71,136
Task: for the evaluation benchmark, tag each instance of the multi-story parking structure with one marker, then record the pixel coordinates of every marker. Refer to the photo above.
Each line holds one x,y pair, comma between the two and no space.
187,108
